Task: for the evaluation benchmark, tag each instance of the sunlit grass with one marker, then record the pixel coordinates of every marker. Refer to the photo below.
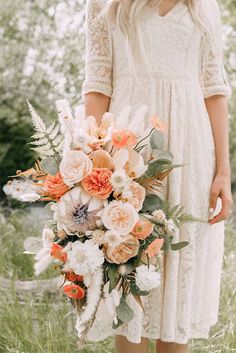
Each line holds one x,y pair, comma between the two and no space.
45,324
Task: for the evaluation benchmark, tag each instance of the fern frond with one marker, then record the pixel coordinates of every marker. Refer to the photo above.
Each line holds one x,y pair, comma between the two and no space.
40,142
38,123
51,127
54,132
57,140
44,152
178,215
38,135
59,148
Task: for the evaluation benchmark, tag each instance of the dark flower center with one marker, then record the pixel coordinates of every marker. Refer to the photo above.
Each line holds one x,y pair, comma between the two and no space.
81,214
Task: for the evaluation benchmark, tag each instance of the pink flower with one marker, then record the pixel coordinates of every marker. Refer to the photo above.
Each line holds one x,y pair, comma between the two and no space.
154,247
123,138
158,124
142,229
97,183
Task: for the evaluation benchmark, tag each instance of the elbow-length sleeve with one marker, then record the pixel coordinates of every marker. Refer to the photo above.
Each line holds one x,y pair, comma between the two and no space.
98,66
214,78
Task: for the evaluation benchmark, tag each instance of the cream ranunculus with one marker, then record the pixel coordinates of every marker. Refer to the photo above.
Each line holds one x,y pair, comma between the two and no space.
134,194
74,167
120,217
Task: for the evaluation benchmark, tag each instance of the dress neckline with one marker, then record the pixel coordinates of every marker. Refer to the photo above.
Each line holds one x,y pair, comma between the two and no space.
171,12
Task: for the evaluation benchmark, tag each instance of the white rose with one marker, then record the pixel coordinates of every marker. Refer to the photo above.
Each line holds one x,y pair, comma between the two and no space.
120,217
74,167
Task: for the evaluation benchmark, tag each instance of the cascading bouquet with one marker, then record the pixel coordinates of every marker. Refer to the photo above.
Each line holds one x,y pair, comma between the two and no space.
108,225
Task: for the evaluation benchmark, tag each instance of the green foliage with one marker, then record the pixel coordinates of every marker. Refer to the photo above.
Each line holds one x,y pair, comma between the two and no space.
14,151
151,203
123,311
178,215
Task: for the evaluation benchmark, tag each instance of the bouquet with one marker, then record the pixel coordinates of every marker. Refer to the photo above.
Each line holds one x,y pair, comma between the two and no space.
108,225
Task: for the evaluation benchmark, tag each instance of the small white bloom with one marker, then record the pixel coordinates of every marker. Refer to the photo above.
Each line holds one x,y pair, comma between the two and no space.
47,237
80,139
147,278
122,270
118,179
159,215
85,257
112,238
98,236
170,226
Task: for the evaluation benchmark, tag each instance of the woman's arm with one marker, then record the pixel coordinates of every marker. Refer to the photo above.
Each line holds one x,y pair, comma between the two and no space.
217,108
96,104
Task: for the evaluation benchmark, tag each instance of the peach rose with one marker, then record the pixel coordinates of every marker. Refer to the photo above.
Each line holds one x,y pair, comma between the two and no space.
97,183
119,217
154,247
74,167
142,229
134,194
54,186
122,252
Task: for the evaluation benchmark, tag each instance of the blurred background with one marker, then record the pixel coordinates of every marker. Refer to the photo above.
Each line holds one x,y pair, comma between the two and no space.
42,46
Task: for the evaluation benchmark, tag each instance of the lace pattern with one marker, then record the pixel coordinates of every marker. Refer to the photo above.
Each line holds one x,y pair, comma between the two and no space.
98,51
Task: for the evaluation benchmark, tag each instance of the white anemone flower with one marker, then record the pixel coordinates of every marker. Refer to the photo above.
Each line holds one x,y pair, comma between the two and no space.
85,257
118,179
77,211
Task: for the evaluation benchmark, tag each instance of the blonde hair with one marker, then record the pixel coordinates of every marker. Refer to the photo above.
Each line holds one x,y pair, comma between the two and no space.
127,13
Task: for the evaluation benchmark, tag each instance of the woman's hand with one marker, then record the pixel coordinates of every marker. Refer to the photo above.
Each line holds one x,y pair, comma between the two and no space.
221,187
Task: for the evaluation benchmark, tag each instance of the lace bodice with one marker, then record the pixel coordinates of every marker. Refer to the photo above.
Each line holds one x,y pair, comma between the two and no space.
172,46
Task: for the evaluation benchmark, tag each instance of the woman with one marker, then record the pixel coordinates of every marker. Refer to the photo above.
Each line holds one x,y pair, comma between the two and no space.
168,55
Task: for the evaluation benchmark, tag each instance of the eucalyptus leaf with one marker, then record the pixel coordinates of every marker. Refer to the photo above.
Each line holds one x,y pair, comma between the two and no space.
118,324
157,140
135,290
124,312
180,245
151,203
113,276
50,166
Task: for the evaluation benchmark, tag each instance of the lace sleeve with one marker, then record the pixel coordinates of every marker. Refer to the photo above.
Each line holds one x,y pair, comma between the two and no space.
214,78
98,73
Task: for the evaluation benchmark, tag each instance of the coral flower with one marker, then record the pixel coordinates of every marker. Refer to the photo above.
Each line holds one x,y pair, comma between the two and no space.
70,276
54,186
154,247
124,251
120,138
123,138
57,251
74,291
142,229
158,124
132,139
97,183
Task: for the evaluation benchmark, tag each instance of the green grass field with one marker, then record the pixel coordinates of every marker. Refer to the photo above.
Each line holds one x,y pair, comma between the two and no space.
39,324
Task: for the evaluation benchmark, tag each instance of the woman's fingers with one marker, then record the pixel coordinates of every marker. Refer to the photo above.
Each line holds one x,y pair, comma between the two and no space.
223,214
213,200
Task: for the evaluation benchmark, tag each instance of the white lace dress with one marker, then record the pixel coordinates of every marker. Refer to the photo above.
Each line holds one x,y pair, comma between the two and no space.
178,78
